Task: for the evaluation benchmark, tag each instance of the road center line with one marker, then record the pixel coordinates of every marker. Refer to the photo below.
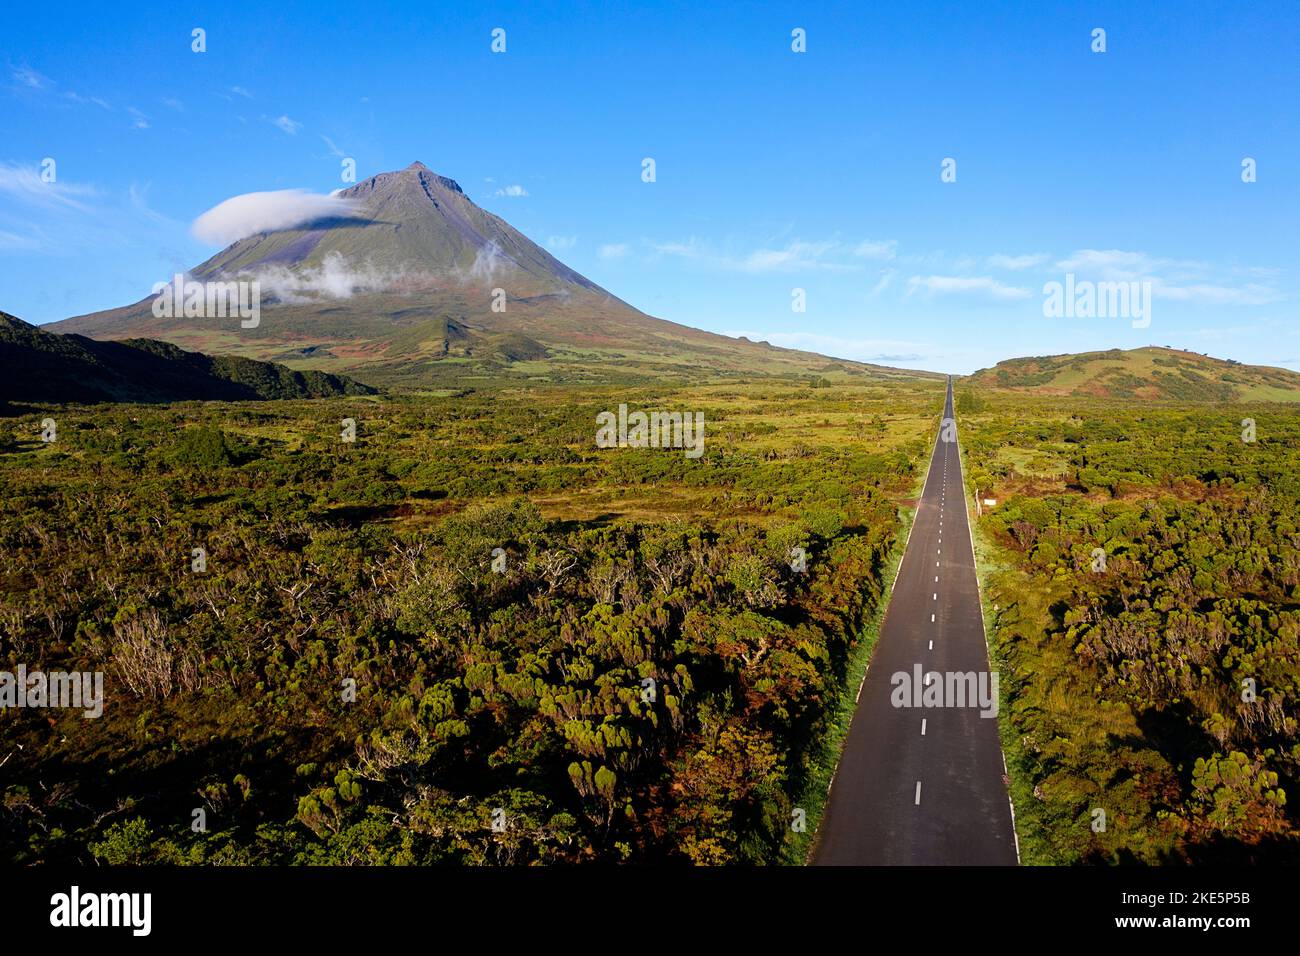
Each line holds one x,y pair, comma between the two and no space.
918,793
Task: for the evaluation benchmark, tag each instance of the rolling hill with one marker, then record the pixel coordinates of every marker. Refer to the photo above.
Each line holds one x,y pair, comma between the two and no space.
401,291
1151,373
40,366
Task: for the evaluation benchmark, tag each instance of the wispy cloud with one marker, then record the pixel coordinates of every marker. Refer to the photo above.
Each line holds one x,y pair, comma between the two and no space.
883,283
561,243
26,76
1189,281
795,256
612,250
1018,263
25,183
27,79
76,97
286,124
876,249
240,91
138,119
138,196
515,190
13,242
979,286
334,149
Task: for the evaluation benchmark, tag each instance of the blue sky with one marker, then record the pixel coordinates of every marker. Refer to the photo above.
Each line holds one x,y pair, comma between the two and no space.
775,170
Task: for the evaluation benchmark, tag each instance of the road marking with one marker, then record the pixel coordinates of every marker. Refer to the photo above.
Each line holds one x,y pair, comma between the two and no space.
936,596
922,726
932,645
931,618
936,579
918,793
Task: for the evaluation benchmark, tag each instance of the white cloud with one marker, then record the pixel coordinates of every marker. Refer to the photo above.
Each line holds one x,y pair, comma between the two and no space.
252,213
796,256
613,250
29,78
1177,280
1210,294
335,278
287,125
560,243
983,286
13,241
76,97
515,190
138,119
876,249
1018,263
240,91
334,149
173,103
24,183
138,196
861,350
1119,264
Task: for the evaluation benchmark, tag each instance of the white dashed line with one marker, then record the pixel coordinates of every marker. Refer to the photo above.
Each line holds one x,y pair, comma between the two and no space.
918,793
931,618
932,645
922,726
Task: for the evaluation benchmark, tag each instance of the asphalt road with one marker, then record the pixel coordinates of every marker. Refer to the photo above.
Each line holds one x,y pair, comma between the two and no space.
924,785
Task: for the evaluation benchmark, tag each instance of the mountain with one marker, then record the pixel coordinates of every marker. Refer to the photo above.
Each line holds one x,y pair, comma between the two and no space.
1150,373
40,366
401,291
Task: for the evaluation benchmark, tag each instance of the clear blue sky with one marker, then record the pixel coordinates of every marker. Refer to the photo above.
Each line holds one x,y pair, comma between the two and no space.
776,170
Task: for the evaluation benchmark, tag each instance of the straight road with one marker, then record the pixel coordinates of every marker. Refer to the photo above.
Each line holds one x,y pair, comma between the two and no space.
924,785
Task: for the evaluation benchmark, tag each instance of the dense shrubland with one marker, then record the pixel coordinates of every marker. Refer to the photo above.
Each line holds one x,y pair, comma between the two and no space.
352,680
1149,616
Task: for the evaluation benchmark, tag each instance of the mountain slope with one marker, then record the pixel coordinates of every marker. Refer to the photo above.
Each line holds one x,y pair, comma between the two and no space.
402,291
1150,373
40,366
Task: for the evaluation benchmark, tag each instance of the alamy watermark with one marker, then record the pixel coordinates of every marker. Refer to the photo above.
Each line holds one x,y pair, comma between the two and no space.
78,690
209,300
651,430
947,689
1085,299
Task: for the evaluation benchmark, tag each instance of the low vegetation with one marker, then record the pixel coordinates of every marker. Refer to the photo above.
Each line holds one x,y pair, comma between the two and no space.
467,636
1142,566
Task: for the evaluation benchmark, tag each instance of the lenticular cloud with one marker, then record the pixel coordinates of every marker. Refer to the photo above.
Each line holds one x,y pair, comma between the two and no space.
252,213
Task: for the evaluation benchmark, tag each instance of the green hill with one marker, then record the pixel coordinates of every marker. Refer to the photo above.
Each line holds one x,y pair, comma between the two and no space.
1150,374
41,366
